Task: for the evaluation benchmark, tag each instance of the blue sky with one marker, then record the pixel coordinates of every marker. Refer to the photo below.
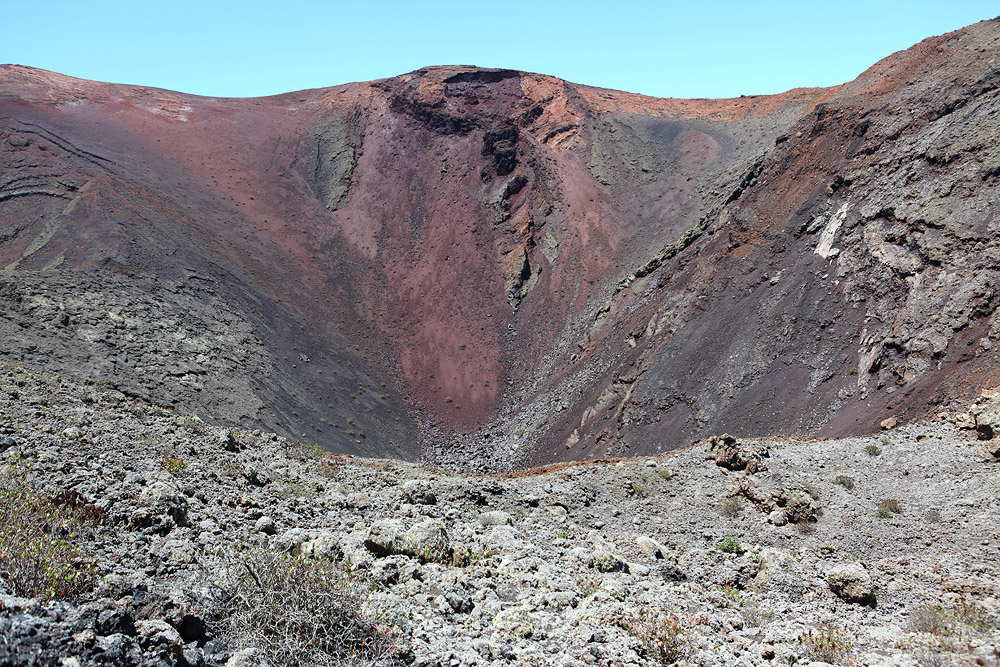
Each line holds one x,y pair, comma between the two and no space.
667,49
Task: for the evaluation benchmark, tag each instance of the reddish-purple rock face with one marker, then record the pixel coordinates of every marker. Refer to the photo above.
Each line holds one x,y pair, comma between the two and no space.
505,266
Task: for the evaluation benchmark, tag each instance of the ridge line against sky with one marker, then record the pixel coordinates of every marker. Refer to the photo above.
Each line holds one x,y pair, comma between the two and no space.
665,49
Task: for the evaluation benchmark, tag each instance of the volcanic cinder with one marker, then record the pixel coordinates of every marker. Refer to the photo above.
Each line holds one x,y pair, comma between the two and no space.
495,268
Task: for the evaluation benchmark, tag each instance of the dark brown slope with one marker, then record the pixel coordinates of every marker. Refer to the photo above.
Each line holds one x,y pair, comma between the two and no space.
506,266
853,278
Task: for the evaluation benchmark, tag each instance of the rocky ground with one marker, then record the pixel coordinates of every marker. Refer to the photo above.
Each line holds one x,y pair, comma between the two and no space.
766,552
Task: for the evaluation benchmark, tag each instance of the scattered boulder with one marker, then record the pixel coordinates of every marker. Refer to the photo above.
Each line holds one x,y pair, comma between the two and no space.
426,541
385,538
888,423
418,492
265,525
851,583
158,633
733,455
988,419
793,503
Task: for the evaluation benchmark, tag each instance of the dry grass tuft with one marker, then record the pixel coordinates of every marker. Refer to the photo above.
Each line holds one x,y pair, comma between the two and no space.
301,611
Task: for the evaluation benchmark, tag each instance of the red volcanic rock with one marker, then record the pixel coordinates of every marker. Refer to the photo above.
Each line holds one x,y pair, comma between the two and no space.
503,267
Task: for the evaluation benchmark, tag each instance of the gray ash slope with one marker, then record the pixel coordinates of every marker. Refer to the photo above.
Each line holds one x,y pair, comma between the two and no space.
550,563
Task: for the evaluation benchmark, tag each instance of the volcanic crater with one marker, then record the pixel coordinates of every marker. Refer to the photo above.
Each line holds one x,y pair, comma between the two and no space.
495,269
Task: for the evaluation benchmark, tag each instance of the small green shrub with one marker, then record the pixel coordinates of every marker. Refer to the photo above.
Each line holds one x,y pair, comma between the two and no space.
827,643
306,449
844,481
173,464
664,473
469,556
873,450
40,551
660,633
731,546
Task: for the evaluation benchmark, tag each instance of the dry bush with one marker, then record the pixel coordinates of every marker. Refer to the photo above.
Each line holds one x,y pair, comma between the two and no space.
952,620
930,620
300,611
660,633
40,554
887,508
827,643
731,507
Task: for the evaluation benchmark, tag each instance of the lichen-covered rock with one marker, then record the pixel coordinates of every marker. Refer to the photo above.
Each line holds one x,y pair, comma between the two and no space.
851,583
385,537
426,540
418,492
988,420
517,622
324,545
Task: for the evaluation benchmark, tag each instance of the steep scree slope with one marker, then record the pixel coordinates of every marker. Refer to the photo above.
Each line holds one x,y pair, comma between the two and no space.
500,267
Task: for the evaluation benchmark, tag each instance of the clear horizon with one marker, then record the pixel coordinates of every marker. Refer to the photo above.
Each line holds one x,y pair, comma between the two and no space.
722,49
